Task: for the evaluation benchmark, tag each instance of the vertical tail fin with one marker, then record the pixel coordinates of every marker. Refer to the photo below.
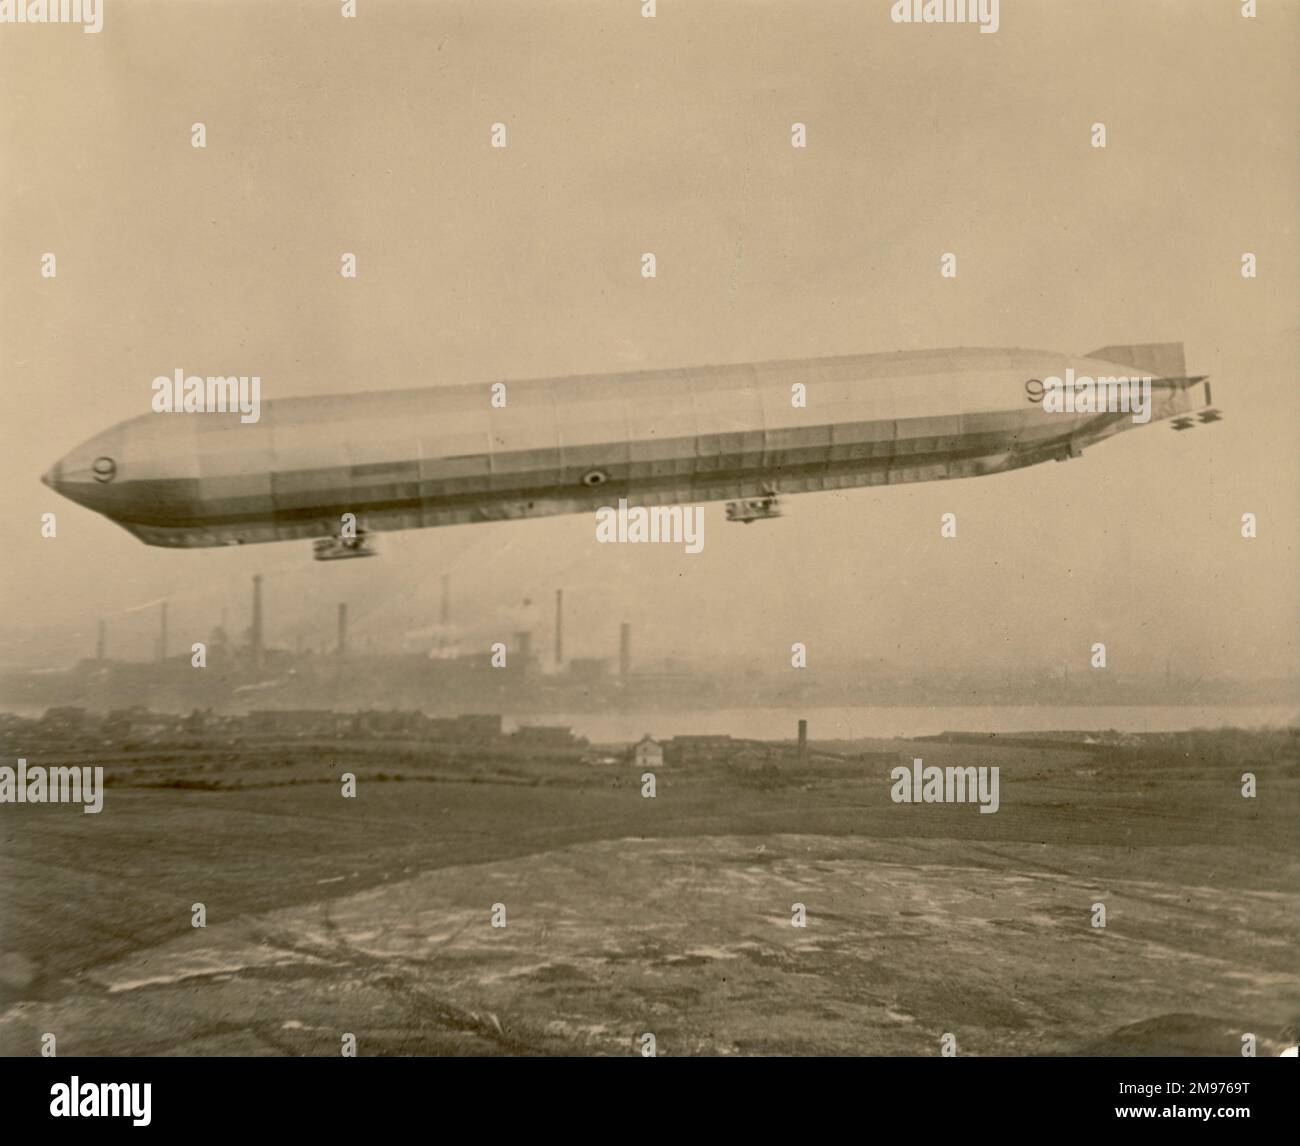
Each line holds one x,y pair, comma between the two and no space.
1159,359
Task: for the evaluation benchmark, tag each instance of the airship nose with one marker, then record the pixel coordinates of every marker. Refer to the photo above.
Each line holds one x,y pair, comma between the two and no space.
86,475
62,482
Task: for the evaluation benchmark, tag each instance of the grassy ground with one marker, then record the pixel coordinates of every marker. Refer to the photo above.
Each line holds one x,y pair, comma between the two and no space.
669,915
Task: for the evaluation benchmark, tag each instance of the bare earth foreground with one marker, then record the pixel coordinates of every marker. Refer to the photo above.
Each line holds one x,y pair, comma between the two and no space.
669,915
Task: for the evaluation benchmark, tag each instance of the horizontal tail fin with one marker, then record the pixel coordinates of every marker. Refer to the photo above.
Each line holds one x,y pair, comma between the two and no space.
1159,359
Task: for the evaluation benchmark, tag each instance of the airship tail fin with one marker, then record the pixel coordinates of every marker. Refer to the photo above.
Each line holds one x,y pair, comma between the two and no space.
1159,359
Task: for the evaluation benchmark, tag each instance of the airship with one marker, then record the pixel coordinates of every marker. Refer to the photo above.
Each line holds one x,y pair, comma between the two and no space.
744,434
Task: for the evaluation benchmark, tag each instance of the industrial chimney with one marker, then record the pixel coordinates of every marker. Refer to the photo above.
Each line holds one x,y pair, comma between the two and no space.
162,634
255,633
803,738
624,650
343,628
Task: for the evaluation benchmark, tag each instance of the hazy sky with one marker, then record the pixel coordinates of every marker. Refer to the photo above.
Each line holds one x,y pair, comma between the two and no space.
670,135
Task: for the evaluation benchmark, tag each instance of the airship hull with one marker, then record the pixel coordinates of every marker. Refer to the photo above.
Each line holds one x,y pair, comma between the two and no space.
448,455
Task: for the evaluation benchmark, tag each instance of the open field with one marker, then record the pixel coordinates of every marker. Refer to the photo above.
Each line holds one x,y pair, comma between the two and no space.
669,915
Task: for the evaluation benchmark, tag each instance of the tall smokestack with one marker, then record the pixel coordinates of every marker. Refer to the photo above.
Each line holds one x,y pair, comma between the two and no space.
444,616
343,628
559,627
803,738
101,643
624,650
256,631
162,633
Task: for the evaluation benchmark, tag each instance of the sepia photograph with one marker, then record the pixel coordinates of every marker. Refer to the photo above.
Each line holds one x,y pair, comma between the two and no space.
757,529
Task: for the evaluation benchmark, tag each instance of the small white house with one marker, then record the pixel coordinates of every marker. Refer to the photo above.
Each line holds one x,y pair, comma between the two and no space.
648,753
